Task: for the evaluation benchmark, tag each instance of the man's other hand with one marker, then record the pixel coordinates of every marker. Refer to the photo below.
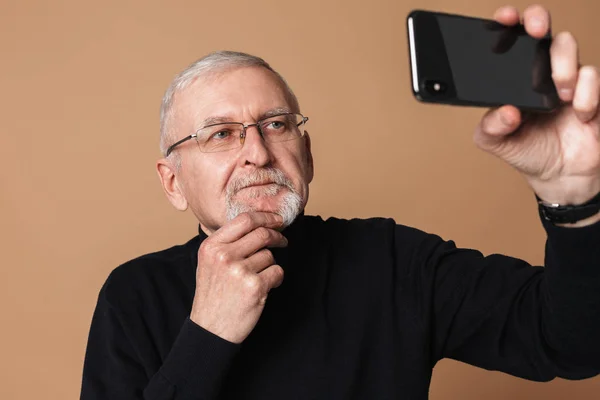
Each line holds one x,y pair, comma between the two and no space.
235,273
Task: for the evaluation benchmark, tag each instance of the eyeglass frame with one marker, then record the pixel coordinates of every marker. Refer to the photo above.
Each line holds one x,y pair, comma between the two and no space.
242,134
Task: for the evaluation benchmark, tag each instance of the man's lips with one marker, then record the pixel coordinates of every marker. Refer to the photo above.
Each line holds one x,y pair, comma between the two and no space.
259,185
257,189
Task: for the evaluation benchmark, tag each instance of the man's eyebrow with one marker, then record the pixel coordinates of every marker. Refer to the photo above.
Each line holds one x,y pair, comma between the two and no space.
274,111
215,120
222,119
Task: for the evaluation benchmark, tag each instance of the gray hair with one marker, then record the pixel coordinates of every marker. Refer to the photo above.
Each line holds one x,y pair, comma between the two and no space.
213,63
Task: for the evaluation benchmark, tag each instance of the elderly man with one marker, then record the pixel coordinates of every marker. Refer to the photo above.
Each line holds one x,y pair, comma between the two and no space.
367,307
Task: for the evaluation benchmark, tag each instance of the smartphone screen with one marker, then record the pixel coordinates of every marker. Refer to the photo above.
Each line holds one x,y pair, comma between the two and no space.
470,61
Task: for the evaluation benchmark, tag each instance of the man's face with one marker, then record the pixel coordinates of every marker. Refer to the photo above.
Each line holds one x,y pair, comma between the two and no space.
217,184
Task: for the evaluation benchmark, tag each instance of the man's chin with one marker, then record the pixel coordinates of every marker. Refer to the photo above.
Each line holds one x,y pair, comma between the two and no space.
284,202
261,204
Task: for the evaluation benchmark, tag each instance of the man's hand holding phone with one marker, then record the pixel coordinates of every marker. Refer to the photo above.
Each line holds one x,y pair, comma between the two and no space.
545,120
235,273
559,152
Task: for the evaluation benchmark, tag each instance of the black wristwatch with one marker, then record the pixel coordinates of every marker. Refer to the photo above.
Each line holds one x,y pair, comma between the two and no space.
568,214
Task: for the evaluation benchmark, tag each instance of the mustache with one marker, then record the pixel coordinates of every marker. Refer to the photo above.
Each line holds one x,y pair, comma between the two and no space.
259,176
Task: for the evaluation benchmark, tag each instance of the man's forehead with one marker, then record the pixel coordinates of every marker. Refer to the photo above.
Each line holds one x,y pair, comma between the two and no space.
225,96
236,83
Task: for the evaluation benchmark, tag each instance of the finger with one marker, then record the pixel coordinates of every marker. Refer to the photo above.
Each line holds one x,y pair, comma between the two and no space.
500,122
256,240
507,15
537,21
587,94
245,223
272,276
259,261
564,57
505,41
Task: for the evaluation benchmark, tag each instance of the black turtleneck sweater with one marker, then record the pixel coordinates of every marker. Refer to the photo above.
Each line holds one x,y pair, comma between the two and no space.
366,309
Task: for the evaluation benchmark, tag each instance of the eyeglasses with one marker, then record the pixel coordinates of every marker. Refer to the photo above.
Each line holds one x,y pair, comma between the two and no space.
230,135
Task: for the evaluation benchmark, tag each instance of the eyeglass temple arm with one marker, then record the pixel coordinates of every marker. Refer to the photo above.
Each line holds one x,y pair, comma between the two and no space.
185,139
304,120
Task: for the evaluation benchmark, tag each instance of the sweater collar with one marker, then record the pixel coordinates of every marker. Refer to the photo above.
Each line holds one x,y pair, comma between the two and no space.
287,257
295,234
294,231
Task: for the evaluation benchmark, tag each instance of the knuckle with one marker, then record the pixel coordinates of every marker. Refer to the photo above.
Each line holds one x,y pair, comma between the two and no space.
587,111
269,257
253,284
585,107
265,258
263,234
262,300
245,220
205,249
279,273
222,256
236,270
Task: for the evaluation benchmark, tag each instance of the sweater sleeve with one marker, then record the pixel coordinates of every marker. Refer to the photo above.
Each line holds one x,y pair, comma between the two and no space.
114,368
500,313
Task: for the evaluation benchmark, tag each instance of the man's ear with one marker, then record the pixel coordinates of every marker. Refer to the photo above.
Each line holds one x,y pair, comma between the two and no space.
309,157
167,173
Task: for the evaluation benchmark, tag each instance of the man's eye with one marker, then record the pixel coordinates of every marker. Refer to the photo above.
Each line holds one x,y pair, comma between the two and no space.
276,125
220,135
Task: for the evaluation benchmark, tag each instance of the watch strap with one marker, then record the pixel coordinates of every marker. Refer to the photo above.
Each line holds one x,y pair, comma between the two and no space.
568,214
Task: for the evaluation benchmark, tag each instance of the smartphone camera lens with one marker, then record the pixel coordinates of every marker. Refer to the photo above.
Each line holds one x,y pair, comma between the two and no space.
435,87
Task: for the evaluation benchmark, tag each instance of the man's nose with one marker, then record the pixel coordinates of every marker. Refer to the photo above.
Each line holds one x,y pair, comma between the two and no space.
254,150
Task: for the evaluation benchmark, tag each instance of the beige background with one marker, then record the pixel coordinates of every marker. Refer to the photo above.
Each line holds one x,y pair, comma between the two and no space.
80,86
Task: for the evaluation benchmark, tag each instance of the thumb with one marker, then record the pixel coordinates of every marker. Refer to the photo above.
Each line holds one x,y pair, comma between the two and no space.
495,127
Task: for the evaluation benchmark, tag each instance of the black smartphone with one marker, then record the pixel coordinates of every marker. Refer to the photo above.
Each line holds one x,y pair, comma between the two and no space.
467,61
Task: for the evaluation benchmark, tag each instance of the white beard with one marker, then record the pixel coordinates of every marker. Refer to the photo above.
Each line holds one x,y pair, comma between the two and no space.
291,203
